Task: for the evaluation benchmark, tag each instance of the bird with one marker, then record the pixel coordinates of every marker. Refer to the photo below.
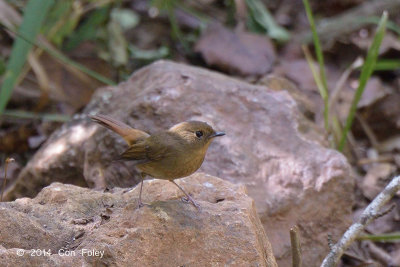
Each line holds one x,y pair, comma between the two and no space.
169,154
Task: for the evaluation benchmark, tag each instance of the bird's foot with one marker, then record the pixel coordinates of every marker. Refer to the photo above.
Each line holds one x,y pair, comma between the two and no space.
141,204
191,200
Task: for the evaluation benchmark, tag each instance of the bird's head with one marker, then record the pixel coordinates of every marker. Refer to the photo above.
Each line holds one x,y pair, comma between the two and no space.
198,134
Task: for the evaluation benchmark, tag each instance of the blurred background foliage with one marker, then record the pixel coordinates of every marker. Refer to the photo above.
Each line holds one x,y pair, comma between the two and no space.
339,59
54,54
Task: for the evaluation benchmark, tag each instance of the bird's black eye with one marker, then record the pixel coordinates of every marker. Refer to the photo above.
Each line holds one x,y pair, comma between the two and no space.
199,134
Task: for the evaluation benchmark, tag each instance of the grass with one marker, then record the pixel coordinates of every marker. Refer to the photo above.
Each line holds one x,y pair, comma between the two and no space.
391,237
367,69
375,20
64,59
322,84
260,20
34,14
31,115
387,64
169,6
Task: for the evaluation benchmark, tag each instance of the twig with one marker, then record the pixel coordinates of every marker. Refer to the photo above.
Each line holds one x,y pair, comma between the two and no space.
369,214
383,213
364,262
368,131
8,161
296,249
380,158
379,254
336,125
342,80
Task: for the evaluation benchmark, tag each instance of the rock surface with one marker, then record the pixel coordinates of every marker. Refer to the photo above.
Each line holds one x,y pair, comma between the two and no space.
269,147
64,223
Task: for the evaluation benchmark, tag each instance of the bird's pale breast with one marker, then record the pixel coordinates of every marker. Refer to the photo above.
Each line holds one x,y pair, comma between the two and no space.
173,167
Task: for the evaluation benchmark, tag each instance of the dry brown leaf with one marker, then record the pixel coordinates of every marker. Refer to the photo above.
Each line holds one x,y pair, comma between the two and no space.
363,40
374,90
239,52
374,181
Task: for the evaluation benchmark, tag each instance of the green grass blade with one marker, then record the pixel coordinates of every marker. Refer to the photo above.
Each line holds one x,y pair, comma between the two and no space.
320,59
60,56
387,64
34,14
375,20
314,71
64,59
391,237
366,72
31,115
263,18
87,30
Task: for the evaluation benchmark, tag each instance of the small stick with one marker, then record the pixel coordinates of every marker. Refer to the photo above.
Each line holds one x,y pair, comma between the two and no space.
296,248
379,254
8,161
370,213
380,158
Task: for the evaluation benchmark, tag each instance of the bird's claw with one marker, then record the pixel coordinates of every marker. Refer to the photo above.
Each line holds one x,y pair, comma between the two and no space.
141,204
194,203
185,199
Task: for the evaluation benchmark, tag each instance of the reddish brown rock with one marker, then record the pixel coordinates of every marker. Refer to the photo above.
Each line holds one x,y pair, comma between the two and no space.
269,147
65,223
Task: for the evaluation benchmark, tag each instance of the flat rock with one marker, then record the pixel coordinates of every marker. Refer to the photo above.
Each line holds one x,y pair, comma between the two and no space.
270,147
66,225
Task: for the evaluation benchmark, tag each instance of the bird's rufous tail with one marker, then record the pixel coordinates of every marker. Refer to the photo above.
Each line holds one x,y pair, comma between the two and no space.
130,134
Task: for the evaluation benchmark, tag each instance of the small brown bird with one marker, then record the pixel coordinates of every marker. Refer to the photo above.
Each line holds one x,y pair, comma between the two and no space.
175,153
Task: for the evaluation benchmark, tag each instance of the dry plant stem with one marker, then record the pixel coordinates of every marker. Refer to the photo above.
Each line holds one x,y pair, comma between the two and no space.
337,128
8,161
321,84
363,261
369,214
42,79
368,131
379,254
381,158
342,80
296,249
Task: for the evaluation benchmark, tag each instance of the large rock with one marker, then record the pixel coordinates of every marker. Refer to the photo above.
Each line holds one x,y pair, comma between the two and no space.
269,147
64,223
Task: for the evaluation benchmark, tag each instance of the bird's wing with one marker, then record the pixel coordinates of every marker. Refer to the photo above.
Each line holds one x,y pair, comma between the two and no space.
151,149
130,134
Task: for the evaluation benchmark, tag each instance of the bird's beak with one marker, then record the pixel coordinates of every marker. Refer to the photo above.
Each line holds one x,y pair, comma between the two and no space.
217,134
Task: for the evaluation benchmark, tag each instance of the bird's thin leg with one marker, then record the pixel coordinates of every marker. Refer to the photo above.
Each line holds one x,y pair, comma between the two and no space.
187,195
140,203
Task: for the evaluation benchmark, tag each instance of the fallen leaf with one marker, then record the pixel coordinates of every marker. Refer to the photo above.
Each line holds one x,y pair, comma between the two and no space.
363,40
374,90
375,180
240,52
